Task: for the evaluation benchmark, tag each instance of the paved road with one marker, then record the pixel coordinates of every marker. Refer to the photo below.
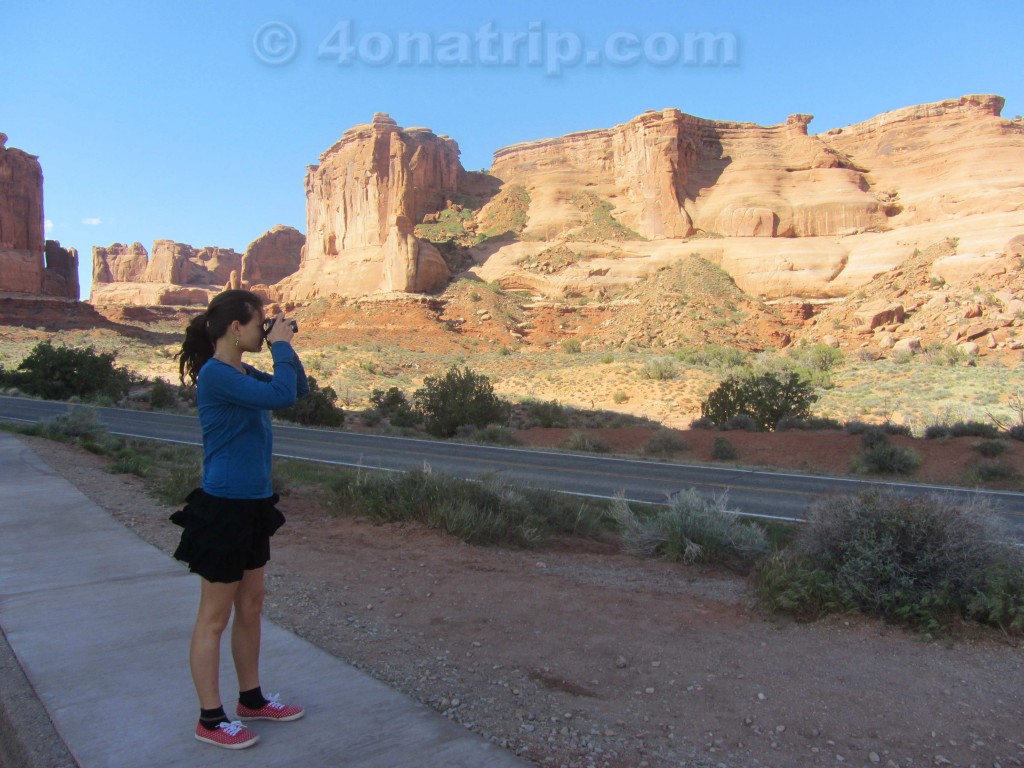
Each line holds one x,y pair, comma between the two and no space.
753,492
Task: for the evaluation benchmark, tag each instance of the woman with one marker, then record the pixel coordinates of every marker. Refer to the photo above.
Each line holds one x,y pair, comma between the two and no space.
228,522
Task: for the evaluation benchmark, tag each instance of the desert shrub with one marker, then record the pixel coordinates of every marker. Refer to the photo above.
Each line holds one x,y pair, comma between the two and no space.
887,427
765,397
61,373
961,429
79,424
664,442
741,422
659,369
459,397
702,423
571,346
991,448
693,530
396,407
163,396
922,562
723,450
317,409
547,413
879,456
492,434
812,424
713,356
620,397
606,358
1016,432
581,441
484,512
982,472
129,464
946,354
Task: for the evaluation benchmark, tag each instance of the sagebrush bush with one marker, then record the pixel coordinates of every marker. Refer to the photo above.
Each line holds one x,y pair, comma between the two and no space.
991,448
961,429
693,530
765,397
78,424
163,396
492,434
547,413
879,456
459,397
888,427
664,442
660,369
483,512
812,424
923,562
723,450
581,441
982,472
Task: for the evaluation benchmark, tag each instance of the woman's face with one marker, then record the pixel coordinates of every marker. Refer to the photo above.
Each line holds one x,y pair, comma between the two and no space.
250,335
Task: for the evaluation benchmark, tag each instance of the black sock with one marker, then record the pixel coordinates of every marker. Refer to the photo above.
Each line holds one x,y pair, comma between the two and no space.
210,719
252,699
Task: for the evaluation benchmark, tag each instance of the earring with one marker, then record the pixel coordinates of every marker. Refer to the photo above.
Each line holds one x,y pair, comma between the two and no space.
236,342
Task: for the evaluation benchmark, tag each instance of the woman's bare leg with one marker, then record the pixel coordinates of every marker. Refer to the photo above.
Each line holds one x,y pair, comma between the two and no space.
215,601
246,630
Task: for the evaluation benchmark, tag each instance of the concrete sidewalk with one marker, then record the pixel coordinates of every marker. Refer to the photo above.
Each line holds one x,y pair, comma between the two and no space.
99,622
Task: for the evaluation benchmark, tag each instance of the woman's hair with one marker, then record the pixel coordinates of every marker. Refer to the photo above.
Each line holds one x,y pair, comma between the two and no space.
202,333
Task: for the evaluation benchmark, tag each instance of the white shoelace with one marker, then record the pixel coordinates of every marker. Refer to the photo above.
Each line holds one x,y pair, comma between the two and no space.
232,728
274,701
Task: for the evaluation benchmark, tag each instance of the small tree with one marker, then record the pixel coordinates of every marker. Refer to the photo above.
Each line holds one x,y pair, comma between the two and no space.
764,397
458,398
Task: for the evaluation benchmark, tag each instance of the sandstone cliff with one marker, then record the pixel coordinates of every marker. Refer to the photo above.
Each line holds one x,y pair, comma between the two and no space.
272,256
28,263
362,201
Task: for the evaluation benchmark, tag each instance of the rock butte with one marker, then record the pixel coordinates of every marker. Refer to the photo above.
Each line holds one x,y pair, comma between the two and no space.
791,217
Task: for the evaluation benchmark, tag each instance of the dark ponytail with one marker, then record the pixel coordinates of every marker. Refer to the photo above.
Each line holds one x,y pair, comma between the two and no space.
202,333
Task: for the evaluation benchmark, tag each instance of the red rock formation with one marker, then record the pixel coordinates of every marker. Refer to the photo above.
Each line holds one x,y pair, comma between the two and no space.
181,264
119,263
123,274
21,221
60,277
272,256
361,201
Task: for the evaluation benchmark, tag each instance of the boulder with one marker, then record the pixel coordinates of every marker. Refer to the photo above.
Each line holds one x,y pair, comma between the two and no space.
878,313
272,256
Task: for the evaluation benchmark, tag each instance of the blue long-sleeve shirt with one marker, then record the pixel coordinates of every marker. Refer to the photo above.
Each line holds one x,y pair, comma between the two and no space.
234,412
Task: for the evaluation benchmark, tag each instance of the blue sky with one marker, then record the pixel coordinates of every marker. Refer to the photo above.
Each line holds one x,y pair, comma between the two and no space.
195,121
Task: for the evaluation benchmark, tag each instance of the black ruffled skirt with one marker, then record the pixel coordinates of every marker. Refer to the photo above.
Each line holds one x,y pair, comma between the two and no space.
224,537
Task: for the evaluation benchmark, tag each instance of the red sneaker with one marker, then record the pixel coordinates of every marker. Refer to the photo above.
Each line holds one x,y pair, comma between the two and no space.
231,735
272,710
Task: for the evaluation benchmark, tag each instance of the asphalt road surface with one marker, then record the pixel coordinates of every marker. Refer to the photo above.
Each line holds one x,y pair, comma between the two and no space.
752,492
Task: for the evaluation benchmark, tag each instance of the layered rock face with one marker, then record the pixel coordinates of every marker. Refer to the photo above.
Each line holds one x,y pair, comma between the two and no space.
176,273
362,202
272,256
28,263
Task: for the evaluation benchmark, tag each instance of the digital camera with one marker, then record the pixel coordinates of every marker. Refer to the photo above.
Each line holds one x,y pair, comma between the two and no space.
269,323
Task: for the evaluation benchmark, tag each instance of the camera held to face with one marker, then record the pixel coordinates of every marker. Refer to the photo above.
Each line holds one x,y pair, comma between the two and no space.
269,323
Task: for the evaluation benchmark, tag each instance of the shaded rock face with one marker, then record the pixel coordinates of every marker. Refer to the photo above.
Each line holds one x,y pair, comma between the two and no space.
272,256
28,263
361,202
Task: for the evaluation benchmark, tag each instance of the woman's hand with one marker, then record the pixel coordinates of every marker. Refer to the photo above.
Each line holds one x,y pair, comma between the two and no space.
282,331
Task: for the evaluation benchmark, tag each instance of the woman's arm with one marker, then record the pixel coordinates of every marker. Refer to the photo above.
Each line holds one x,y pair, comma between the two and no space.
227,384
301,381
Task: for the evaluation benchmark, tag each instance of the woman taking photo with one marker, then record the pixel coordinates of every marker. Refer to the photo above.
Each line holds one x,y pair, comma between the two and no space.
228,522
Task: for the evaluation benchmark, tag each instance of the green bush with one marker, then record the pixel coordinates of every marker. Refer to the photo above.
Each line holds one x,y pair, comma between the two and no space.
547,413
61,373
991,448
572,346
879,456
459,397
396,407
723,450
765,397
79,424
163,396
813,424
962,429
664,442
923,562
660,369
317,409
492,434
693,530
982,472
